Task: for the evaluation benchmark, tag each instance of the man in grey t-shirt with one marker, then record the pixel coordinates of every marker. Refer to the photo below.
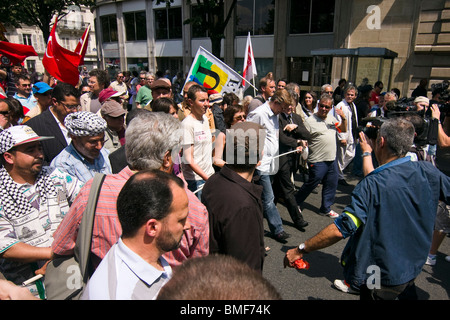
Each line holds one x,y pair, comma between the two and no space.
322,164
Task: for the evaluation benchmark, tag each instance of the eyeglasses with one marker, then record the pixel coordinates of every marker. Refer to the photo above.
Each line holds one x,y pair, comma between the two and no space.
240,117
329,92
4,113
96,142
324,106
25,85
70,107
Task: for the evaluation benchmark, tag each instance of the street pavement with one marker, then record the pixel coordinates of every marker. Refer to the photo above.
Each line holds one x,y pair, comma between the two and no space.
316,283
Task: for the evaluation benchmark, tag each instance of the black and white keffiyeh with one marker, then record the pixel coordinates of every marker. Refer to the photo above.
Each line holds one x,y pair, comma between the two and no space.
12,200
84,123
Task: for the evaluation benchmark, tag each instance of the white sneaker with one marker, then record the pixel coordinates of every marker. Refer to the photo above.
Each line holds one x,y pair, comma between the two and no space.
344,287
431,260
332,214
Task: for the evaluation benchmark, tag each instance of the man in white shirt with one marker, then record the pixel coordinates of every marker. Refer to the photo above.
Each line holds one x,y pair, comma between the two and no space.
152,208
347,140
267,116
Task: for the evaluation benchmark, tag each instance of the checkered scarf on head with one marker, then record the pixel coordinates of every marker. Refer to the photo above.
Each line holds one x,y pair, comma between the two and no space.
84,123
12,200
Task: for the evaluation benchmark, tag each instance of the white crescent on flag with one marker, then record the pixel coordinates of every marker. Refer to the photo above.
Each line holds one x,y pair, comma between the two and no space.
48,45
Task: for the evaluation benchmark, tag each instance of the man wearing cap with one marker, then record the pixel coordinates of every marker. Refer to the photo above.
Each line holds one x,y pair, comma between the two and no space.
421,103
23,94
160,88
33,201
65,100
43,95
114,115
85,155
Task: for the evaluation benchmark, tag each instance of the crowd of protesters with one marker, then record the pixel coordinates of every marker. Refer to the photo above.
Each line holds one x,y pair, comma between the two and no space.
192,173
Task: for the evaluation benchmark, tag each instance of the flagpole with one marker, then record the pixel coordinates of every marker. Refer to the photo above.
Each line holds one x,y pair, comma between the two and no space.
84,40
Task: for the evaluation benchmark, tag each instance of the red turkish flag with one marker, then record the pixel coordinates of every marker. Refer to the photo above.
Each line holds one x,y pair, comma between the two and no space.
83,44
60,62
16,52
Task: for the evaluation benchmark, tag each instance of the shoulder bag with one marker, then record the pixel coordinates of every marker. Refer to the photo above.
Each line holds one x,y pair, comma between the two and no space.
66,277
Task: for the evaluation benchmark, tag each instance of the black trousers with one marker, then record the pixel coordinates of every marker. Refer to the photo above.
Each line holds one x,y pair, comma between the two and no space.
284,187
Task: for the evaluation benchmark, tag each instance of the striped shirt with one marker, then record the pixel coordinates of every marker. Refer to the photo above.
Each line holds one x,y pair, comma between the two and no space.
107,229
124,275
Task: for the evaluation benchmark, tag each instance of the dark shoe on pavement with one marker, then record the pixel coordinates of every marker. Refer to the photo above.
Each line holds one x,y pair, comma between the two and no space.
301,224
342,182
282,236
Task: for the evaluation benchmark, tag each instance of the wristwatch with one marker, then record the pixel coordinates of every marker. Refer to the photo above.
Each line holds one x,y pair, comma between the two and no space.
365,154
301,248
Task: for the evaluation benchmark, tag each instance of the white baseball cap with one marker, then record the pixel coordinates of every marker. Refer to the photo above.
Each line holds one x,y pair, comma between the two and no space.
18,135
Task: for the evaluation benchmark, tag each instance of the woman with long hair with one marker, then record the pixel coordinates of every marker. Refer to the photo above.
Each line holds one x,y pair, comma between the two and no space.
309,102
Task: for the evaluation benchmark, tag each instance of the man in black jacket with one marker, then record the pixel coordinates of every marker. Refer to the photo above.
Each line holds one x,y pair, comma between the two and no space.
234,201
293,136
65,100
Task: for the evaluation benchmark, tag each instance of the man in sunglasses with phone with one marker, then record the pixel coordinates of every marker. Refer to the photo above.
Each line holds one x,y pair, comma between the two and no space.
323,127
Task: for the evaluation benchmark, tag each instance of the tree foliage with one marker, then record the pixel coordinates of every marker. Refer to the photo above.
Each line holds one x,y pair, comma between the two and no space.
38,13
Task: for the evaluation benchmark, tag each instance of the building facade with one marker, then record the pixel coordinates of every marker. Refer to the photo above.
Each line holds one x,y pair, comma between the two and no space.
310,42
287,39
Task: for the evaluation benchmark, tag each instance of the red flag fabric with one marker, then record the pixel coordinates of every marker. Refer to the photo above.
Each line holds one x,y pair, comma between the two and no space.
60,62
82,45
16,53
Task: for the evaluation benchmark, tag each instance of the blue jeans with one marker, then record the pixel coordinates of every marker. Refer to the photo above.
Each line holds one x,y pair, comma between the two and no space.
194,185
326,172
269,208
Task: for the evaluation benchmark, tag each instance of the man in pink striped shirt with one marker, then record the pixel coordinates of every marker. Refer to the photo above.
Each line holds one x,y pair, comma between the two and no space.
149,136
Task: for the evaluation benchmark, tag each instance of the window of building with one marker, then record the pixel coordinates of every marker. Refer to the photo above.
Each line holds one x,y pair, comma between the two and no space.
109,28
198,31
135,26
308,16
168,23
27,39
256,17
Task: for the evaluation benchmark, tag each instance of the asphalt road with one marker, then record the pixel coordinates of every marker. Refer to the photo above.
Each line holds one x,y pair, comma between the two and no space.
316,282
